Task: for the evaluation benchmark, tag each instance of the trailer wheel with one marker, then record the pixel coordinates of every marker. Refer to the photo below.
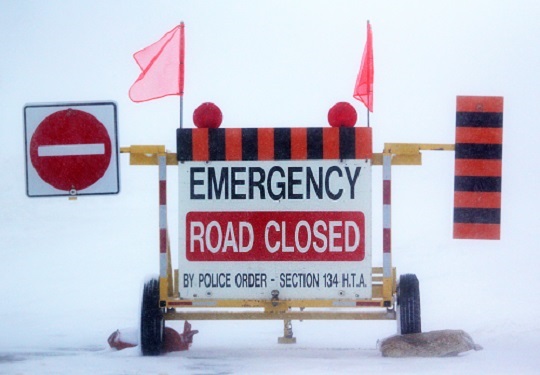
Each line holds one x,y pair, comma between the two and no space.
408,305
152,322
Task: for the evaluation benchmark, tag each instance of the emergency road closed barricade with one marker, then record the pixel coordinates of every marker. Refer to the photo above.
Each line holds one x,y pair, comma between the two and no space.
276,224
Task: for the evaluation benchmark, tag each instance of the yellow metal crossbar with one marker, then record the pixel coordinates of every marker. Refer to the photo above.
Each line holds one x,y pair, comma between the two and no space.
409,153
148,154
403,153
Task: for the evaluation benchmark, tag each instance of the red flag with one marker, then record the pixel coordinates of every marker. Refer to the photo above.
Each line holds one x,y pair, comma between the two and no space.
162,65
363,90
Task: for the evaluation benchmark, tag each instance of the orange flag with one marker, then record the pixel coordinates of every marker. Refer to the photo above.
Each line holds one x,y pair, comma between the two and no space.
363,89
162,65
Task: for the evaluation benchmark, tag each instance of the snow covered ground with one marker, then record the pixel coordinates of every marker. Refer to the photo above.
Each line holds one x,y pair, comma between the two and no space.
68,286
72,271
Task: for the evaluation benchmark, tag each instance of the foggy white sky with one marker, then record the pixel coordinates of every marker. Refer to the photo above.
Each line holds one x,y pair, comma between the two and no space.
275,63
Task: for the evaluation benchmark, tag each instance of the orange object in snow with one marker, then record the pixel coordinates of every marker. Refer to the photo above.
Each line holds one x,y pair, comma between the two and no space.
175,342
172,340
119,340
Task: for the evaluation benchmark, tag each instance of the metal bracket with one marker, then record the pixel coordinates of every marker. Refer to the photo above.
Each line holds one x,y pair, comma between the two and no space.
275,297
288,337
148,154
409,153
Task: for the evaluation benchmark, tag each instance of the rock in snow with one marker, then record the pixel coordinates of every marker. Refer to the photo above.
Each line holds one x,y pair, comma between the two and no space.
444,343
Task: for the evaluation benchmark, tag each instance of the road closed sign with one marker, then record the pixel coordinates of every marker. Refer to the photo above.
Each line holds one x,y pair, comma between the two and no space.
71,149
275,210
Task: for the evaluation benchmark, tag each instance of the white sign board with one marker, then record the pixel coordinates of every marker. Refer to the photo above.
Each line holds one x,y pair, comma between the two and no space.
71,149
299,227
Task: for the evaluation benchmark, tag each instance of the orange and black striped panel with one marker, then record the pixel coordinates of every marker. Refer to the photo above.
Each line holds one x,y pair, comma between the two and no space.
478,167
273,144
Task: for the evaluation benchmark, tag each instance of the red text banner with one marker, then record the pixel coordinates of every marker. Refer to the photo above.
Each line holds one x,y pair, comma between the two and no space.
275,236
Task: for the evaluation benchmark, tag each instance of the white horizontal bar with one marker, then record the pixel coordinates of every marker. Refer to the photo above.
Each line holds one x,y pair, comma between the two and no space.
72,150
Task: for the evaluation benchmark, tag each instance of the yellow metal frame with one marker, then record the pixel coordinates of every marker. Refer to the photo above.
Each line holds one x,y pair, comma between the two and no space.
276,309
148,154
409,153
379,307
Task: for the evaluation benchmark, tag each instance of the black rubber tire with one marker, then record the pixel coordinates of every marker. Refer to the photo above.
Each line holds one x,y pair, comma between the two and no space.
152,322
408,305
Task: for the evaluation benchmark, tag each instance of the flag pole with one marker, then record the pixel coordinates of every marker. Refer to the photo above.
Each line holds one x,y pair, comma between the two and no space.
369,81
181,73
363,89
182,112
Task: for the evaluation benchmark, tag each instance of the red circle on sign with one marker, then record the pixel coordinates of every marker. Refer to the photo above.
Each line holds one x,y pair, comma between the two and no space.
70,149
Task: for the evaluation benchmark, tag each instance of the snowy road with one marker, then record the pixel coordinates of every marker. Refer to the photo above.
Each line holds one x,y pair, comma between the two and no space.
323,348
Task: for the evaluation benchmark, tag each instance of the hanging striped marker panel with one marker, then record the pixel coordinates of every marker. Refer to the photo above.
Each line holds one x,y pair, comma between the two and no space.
478,168
273,144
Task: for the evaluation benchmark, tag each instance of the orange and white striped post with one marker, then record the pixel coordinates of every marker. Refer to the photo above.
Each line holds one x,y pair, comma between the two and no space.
163,231
387,225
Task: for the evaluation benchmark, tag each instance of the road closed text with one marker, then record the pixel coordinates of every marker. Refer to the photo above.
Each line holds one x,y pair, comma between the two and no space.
275,236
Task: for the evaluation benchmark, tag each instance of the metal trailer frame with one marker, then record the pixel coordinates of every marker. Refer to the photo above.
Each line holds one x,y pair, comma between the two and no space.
382,305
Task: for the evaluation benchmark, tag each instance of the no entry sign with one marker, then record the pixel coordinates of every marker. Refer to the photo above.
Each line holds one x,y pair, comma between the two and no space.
71,149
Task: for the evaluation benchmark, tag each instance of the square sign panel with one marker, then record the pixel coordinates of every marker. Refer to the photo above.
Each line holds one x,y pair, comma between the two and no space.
266,211
71,149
